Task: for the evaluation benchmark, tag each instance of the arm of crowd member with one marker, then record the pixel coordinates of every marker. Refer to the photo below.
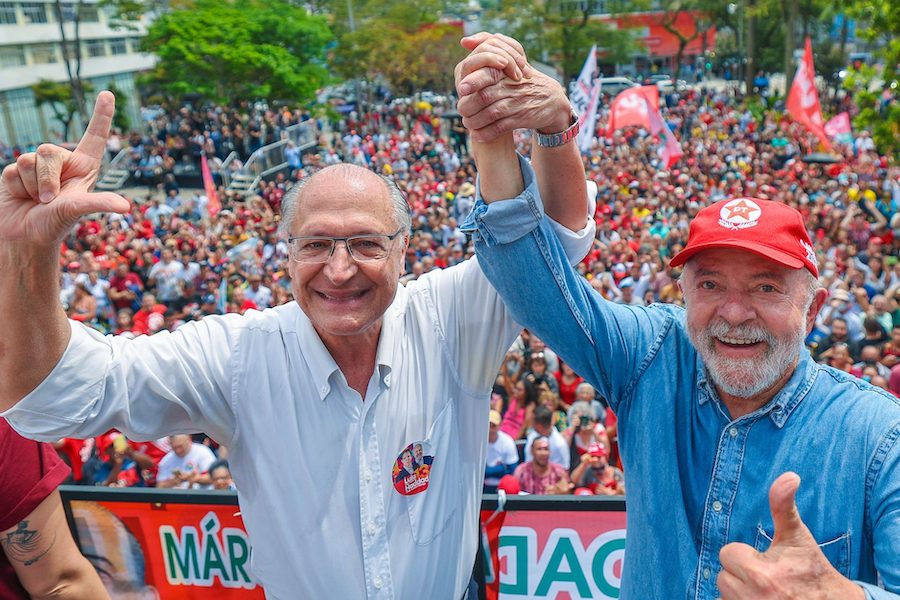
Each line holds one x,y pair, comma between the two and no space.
41,196
45,558
493,105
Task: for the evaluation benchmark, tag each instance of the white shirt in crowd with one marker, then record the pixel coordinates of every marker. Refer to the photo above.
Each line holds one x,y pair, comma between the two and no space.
501,452
197,460
559,449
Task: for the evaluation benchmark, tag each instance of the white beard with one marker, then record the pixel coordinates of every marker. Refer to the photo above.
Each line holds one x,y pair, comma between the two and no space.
746,378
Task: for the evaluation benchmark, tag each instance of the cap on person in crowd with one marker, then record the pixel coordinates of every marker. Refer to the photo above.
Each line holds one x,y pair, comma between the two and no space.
510,485
769,229
627,282
840,294
583,491
598,450
495,418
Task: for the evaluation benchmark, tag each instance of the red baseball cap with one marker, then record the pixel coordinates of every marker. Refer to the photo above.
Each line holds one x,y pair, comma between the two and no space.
770,229
596,449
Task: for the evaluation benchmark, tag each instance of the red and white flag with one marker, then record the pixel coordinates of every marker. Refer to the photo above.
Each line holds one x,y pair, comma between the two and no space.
671,150
838,127
633,107
803,101
213,206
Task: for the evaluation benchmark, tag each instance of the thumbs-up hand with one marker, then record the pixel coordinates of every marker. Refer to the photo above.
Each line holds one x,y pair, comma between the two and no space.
792,567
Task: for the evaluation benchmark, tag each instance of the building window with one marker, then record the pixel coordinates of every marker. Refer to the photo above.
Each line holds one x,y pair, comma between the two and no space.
43,53
12,56
118,46
135,44
68,12
7,13
35,13
96,48
89,13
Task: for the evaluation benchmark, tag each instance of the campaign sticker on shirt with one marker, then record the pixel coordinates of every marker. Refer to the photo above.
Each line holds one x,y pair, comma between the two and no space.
412,469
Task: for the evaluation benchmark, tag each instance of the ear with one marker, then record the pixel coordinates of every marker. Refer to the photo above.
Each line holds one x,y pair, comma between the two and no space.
814,308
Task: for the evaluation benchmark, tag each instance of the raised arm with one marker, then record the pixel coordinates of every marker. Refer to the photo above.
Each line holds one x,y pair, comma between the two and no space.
42,196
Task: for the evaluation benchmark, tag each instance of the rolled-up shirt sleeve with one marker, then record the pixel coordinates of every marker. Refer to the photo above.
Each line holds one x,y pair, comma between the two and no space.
147,387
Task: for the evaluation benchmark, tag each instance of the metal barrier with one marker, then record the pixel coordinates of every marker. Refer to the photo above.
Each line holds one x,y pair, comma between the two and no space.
268,159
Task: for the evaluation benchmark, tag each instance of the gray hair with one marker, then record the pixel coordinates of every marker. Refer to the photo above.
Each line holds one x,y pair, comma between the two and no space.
581,407
290,201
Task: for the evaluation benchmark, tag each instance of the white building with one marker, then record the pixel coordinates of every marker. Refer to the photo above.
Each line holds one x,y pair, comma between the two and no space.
31,49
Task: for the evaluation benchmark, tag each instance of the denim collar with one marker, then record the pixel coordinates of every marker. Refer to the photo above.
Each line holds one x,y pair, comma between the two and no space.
780,407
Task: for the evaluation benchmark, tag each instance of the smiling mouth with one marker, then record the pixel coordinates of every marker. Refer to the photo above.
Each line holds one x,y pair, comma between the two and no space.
737,342
342,297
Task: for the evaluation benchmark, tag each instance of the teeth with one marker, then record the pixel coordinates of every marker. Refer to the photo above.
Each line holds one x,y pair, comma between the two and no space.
737,342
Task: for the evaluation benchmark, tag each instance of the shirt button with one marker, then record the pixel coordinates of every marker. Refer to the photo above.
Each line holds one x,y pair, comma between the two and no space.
717,506
733,432
324,389
706,573
378,582
371,529
368,475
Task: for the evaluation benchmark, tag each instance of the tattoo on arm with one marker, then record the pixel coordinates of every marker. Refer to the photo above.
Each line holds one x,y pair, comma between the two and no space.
25,545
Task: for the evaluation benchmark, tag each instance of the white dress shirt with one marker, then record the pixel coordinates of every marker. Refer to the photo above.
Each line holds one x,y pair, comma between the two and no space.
311,460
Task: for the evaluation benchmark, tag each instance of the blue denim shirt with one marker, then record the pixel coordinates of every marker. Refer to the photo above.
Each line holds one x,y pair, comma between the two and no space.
698,479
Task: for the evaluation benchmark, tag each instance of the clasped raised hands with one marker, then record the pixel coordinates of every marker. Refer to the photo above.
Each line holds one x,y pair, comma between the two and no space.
45,192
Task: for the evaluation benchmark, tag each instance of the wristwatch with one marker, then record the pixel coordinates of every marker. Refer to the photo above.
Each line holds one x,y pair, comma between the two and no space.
554,140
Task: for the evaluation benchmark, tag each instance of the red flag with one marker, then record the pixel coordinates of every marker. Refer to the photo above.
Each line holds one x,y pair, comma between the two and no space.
633,106
803,101
838,125
671,150
213,205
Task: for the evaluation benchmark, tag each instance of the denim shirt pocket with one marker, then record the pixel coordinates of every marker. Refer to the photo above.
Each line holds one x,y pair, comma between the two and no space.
836,549
432,512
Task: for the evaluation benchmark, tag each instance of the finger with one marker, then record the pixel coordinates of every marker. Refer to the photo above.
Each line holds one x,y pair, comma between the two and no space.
476,62
516,53
514,43
789,527
28,174
730,587
492,113
13,183
470,42
49,160
738,559
470,88
93,143
514,48
513,69
491,132
89,203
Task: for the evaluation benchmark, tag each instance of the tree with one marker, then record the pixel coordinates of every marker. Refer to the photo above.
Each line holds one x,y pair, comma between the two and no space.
120,118
58,96
71,51
230,51
693,9
403,42
563,32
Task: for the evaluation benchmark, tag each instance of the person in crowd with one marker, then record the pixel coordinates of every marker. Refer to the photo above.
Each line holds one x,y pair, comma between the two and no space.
543,428
519,414
321,379
186,466
540,475
220,476
39,559
596,474
723,393
502,456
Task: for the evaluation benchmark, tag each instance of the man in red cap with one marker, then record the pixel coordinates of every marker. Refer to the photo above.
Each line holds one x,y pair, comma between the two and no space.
718,402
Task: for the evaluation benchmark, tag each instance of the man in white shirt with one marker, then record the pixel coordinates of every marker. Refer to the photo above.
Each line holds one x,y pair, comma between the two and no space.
502,456
338,383
543,427
186,466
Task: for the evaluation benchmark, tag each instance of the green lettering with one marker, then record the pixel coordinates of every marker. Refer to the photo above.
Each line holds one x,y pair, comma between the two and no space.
212,560
182,560
238,554
599,561
552,574
520,543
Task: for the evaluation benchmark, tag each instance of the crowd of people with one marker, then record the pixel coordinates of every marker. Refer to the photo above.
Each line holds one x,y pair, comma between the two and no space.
169,260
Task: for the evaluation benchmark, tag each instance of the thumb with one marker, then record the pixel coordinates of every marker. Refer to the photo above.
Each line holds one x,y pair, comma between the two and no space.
789,527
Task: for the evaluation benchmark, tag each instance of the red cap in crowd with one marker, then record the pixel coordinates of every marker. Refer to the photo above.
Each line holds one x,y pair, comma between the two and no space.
510,485
770,229
598,450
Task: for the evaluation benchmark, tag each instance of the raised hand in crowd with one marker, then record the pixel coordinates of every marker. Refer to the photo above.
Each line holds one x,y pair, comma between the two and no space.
792,567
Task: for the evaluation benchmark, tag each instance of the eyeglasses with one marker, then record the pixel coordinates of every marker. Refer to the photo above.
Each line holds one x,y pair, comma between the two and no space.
362,248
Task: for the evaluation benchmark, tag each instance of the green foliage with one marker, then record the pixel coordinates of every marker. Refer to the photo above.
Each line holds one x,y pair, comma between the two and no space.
563,32
880,118
231,51
402,42
58,96
120,118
